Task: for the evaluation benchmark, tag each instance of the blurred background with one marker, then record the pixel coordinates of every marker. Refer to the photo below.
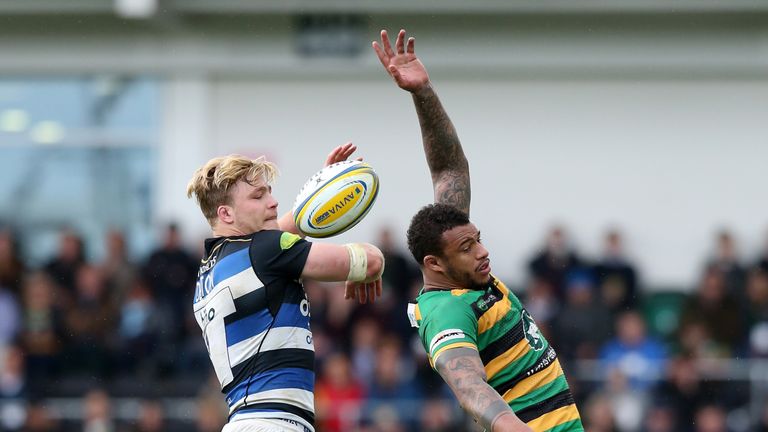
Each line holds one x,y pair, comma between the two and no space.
618,154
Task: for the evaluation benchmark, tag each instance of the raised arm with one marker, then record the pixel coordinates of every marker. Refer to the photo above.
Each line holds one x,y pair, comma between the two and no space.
447,164
463,370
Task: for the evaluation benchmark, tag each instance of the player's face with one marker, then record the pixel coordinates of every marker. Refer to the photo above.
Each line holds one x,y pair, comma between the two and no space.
467,259
254,207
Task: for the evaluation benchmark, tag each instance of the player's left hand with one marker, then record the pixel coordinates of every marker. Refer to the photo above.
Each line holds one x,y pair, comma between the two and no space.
362,291
341,153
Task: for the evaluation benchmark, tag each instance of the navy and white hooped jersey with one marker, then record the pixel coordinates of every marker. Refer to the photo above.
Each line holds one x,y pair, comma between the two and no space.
254,315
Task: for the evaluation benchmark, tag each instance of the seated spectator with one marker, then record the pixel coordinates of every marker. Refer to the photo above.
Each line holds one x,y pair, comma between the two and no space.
555,261
726,260
598,414
338,396
97,412
118,270
12,268
89,324
64,266
583,324
140,323
710,418
10,319
39,419
151,417
42,329
13,388
684,390
616,276
634,353
713,308
393,390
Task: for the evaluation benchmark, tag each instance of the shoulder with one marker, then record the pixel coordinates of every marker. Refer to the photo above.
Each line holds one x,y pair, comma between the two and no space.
444,304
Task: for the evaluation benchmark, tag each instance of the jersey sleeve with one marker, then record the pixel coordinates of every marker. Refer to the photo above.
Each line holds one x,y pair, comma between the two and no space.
279,253
449,323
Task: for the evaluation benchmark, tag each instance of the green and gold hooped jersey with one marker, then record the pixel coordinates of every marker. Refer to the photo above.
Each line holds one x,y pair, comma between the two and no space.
519,363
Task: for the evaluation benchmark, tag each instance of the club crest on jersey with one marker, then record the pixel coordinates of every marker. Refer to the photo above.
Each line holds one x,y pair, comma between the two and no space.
532,333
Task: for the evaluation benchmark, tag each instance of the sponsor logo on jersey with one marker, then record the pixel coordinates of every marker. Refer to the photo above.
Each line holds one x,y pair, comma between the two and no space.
445,335
532,333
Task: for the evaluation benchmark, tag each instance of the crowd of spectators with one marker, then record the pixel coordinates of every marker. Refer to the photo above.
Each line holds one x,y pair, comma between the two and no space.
112,346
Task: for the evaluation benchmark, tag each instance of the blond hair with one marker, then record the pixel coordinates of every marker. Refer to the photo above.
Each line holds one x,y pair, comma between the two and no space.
211,184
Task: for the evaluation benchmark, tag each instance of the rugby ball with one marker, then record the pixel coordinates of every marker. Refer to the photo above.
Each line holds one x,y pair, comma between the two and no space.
335,199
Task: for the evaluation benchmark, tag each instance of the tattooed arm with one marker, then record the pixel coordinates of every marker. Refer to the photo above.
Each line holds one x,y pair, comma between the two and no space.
447,164
462,369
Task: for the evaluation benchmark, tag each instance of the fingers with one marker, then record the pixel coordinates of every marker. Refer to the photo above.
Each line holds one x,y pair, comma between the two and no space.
340,153
386,44
411,45
349,291
362,294
400,42
383,58
378,287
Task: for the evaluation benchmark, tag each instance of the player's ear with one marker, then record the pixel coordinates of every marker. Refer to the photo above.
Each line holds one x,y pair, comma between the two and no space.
433,263
225,214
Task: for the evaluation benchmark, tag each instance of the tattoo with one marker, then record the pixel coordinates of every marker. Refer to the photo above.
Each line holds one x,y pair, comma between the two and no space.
463,370
445,157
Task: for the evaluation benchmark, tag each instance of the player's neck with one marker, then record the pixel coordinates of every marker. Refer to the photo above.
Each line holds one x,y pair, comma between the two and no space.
438,281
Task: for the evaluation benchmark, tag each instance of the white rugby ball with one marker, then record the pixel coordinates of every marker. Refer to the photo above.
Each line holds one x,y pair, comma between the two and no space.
335,199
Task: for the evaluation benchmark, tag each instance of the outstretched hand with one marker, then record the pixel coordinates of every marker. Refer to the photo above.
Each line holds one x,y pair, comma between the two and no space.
362,291
341,153
403,66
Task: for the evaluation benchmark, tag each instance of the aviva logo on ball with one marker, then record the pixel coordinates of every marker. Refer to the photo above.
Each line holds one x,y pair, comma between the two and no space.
338,205
335,199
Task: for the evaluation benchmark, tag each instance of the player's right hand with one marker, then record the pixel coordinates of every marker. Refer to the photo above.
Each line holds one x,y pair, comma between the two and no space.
403,66
364,292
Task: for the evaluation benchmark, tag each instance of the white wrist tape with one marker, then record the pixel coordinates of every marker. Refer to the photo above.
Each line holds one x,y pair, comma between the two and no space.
358,262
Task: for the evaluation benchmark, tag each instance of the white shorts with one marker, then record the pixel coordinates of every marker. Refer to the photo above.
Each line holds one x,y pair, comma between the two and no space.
264,425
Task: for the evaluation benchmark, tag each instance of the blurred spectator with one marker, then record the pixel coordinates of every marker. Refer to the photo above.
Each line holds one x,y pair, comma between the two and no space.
598,414
64,266
616,276
90,324
151,417
762,260
210,415
713,308
726,260
365,337
13,388
683,390
438,415
138,327
710,418
627,404
633,352
39,419
338,396
583,324
119,272
401,273
171,272
10,319
12,268
541,303
42,331
555,261
660,418
393,397
97,412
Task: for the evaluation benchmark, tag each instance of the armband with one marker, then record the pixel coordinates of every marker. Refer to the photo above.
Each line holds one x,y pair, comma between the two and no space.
358,262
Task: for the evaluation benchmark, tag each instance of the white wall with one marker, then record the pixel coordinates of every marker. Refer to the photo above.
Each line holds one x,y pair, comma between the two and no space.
670,162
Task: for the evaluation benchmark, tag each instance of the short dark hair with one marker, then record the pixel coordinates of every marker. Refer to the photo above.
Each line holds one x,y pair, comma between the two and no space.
427,228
